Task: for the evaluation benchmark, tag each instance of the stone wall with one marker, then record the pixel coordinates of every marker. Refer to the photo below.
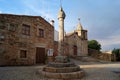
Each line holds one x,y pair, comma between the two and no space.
70,42
100,55
12,40
81,44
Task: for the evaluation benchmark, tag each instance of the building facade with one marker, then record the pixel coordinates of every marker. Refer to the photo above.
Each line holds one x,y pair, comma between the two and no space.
28,40
75,44
24,40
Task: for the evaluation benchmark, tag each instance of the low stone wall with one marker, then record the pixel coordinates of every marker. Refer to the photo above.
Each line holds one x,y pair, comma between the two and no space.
100,55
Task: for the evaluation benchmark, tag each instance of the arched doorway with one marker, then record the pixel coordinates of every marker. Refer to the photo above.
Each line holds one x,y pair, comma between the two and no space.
75,50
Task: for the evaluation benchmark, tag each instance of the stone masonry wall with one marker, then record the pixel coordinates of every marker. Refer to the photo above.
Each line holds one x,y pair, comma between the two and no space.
70,42
12,40
102,56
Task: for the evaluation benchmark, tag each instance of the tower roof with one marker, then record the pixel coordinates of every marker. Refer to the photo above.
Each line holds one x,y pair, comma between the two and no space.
79,26
61,13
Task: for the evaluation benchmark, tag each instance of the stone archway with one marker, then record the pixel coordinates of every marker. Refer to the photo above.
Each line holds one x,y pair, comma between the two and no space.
75,50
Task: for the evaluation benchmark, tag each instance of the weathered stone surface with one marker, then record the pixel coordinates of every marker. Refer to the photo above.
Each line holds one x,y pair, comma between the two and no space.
81,74
102,55
61,59
61,70
61,17
49,69
58,65
14,40
52,75
71,75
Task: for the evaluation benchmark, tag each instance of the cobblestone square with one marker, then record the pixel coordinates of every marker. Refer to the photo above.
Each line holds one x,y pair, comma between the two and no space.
94,71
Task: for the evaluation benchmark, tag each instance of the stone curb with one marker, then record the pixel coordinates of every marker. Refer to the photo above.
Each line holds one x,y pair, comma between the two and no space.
72,75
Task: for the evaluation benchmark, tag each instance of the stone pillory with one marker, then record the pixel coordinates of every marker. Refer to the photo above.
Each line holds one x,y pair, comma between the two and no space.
61,17
62,67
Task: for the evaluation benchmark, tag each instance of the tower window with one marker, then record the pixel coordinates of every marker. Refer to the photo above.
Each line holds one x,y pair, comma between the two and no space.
76,33
41,33
25,29
83,35
23,53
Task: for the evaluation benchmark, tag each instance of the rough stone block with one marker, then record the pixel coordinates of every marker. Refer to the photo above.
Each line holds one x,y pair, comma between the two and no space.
81,74
53,75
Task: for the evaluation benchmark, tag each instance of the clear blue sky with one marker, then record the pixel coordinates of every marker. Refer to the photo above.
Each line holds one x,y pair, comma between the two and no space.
100,17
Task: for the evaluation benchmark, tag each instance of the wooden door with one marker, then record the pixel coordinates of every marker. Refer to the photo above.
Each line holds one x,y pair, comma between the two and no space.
40,55
75,50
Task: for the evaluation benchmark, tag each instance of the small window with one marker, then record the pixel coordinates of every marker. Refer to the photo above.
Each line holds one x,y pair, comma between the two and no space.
2,24
41,33
25,29
23,53
12,27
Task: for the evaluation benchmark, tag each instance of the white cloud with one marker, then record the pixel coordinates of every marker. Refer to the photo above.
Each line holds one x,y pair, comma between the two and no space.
42,8
39,7
0,11
110,41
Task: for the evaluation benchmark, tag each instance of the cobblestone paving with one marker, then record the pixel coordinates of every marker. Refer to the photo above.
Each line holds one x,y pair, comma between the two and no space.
94,71
100,74
19,73
100,70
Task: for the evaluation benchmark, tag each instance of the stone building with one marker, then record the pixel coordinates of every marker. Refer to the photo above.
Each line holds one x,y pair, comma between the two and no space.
24,40
28,40
76,43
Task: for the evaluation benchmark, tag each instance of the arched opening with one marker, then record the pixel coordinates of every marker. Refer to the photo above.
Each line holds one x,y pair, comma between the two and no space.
75,50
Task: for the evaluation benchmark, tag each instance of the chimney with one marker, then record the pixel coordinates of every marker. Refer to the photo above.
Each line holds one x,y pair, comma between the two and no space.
52,22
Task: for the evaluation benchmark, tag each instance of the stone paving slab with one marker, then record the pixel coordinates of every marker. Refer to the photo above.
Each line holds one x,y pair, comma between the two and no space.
100,74
93,72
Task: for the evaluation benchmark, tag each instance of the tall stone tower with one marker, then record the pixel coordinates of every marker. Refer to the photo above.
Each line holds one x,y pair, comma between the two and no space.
79,29
61,17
